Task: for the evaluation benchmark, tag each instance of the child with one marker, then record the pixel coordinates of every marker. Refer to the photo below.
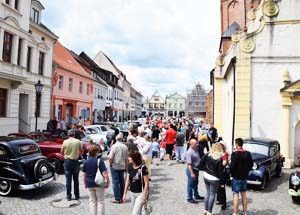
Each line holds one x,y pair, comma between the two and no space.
155,150
162,149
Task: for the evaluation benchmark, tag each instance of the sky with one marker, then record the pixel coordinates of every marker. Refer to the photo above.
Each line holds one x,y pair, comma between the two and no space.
164,45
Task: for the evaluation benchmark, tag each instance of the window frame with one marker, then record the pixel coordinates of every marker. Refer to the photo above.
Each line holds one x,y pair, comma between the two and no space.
35,15
7,47
29,55
70,84
41,63
3,102
19,51
80,87
60,82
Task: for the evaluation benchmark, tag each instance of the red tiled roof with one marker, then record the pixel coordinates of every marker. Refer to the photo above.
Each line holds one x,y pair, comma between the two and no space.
64,59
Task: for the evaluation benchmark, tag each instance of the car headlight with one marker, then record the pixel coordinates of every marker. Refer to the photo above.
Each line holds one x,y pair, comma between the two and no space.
295,180
254,166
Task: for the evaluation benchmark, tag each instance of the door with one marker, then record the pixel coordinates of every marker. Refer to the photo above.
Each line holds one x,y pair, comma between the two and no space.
69,114
23,113
297,144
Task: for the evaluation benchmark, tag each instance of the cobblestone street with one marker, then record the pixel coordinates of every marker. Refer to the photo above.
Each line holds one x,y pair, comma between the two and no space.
167,197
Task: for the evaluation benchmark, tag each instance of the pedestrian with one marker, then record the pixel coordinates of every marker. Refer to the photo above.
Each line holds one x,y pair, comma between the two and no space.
192,172
241,164
130,144
162,150
62,124
96,193
213,134
213,176
155,150
203,144
170,141
137,181
179,150
145,149
71,149
155,132
221,195
118,159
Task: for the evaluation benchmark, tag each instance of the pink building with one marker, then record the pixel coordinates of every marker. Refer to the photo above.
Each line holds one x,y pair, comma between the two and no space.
72,96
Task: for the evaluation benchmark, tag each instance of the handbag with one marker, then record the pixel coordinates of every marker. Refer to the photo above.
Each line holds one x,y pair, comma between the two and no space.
99,179
147,207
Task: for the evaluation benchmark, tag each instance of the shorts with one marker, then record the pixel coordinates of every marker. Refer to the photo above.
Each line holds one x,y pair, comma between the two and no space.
238,186
169,149
154,154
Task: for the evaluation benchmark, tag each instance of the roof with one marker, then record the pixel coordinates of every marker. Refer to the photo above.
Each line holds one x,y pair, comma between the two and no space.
176,94
106,63
290,85
64,59
232,29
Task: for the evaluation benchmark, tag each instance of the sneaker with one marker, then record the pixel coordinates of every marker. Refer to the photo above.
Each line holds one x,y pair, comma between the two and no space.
199,198
192,201
77,198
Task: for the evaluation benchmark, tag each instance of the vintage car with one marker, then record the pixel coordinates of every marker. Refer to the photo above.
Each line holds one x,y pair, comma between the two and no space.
22,166
267,160
294,186
124,129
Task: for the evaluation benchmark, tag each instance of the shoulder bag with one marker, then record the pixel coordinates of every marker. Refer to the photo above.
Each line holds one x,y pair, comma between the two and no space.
99,179
147,208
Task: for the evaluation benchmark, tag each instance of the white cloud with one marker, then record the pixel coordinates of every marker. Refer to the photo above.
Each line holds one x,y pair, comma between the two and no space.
166,45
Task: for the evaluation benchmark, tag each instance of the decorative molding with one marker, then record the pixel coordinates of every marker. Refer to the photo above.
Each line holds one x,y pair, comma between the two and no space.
13,21
270,8
283,22
236,37
247,45
251,14
220,60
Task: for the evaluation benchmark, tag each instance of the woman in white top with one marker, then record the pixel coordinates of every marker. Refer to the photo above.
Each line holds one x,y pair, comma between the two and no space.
145,148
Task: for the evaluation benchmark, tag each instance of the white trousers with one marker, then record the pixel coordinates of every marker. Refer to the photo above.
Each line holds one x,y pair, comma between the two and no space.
148,161
96,199
136,199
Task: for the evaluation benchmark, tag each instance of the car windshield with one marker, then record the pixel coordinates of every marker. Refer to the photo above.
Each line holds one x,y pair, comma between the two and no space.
257,148
91,131
123,127
28,149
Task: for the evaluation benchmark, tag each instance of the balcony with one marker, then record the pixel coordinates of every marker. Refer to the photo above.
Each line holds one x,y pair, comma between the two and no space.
14,73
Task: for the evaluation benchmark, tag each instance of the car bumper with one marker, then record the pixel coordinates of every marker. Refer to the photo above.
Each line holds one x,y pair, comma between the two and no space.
38,184
293,192
254,182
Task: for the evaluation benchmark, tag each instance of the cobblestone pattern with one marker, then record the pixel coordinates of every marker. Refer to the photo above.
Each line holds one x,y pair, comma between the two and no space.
168,197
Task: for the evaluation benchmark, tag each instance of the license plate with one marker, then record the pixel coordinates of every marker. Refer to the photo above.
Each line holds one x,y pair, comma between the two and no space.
47,176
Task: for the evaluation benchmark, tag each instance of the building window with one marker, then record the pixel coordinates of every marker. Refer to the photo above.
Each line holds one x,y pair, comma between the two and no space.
19,52
70,84
7,47
28,64
41,63
175,105
60,82
180,106
170,105
80,87
3,101
38,105
88,89
35,15
16,4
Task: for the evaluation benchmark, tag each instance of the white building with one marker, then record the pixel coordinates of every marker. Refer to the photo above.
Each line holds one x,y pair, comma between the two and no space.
26,48
257,82
175,105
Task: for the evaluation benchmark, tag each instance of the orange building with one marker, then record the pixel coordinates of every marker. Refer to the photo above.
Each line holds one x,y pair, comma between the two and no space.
72,96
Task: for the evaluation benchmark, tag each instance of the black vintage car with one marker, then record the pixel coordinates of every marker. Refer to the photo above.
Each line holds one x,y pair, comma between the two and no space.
22,165
267,160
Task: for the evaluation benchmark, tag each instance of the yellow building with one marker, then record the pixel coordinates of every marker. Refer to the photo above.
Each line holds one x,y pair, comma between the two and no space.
156,105
257,81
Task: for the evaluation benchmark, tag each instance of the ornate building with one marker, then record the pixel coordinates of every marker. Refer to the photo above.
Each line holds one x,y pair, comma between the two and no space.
175,105
257,80
196,102
156,105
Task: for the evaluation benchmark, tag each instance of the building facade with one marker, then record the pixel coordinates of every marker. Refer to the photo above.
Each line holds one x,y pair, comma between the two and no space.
26,49
72,96
196,102
209,108
175,105
139,104
256,82
156,105
127,99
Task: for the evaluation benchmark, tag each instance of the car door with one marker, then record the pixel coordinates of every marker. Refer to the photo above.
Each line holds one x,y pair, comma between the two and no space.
4,160
273,156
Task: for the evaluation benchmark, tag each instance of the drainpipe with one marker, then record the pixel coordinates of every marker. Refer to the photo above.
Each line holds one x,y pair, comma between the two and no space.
233,61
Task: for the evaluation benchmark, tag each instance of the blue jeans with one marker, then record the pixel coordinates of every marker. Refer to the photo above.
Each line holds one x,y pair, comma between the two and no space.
118,182
192,185
179,151
238,186
211,192
72,171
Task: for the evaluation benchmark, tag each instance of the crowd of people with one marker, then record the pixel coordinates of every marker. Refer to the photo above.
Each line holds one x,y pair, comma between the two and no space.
159,139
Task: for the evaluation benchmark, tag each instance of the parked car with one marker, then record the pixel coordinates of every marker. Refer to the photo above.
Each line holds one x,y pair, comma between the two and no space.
124,129
267,159
22,166
294,186
95,134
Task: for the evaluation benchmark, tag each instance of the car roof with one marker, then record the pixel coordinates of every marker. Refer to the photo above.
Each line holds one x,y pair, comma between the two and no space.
15,140
261,139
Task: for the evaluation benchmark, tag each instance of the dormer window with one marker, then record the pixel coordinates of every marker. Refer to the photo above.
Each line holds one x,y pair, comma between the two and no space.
35,15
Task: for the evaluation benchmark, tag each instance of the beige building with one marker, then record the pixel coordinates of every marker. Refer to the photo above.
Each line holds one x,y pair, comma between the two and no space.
26,50
155,105
175,105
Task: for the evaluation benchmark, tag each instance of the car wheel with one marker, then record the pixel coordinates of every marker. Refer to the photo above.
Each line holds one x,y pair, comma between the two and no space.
42,168
5,188
296,199
263,183
58,165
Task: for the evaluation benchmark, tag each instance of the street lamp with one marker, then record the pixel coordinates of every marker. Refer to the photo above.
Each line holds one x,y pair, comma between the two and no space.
127,110
38,91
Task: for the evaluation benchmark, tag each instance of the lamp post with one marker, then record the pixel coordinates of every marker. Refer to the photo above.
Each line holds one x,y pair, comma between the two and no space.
127,110
38,91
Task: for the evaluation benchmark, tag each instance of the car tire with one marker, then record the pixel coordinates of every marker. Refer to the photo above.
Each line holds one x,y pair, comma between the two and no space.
58,165
263,183
40,166
6,188
278,170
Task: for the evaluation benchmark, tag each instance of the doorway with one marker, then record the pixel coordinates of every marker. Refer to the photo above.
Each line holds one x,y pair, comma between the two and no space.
297,144
69,114
23,113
